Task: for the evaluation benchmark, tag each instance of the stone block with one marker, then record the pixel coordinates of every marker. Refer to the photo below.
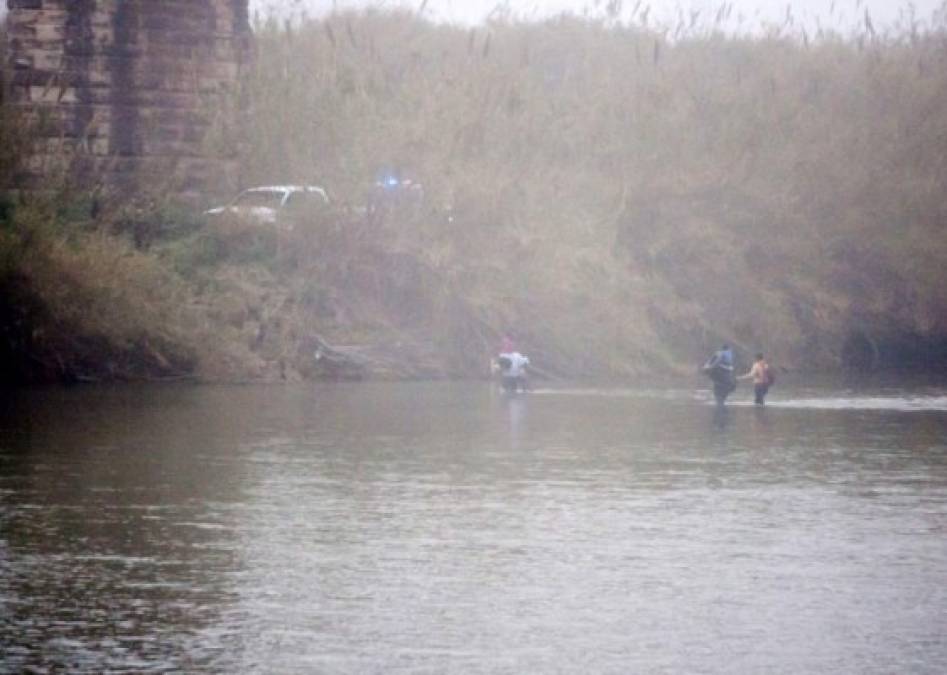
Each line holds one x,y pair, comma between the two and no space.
129,82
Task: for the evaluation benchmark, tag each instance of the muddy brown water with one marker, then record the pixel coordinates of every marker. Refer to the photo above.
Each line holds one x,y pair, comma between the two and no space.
433,528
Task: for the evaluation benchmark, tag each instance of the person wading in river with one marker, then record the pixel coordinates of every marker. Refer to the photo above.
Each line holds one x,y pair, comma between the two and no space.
512,367
762,375
719,368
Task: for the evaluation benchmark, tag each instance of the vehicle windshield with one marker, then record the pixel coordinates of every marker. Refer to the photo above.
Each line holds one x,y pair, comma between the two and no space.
260,198
305,200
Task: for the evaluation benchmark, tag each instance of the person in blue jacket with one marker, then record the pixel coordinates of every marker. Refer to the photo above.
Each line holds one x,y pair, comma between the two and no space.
719,368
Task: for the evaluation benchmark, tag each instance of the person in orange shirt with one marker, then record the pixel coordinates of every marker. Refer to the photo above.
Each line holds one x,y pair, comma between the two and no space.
762,375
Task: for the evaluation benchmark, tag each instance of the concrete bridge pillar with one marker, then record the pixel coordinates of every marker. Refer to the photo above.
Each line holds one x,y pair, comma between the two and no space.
126,92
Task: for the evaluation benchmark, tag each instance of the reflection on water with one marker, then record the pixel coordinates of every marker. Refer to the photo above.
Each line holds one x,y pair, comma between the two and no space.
820,400
445,527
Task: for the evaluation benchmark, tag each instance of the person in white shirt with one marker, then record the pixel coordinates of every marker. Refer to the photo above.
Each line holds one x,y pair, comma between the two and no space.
513,367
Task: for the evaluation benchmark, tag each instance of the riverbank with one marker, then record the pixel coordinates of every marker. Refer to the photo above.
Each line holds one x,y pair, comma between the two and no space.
163,294
617,202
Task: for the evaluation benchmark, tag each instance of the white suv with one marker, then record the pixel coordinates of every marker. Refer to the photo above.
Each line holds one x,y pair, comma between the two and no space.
270,205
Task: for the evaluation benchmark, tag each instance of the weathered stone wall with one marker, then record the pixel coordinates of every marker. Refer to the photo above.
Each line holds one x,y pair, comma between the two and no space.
131,91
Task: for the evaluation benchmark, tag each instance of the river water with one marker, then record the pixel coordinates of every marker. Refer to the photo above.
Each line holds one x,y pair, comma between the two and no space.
434,528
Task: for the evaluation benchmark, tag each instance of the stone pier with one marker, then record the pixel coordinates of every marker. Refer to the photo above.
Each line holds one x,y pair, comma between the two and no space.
131,93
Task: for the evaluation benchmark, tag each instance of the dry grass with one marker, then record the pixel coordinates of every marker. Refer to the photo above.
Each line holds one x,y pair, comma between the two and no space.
623,199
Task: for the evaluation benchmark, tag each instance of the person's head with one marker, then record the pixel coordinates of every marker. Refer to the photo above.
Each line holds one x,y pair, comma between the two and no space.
507,345
725,347
759,356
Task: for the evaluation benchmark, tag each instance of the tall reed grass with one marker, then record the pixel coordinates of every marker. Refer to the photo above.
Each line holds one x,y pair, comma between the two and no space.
625,196
618,197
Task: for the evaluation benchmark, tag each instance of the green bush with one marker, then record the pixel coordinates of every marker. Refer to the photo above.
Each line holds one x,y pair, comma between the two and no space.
84,304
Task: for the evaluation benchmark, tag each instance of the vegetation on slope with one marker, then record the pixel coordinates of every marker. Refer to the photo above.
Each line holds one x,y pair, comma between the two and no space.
617,201
76,303
622,201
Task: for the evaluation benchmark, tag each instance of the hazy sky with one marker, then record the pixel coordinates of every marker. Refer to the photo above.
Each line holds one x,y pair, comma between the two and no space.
840,13
836,13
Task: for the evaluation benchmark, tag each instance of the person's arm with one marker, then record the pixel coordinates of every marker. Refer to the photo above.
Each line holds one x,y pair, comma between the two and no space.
753,372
